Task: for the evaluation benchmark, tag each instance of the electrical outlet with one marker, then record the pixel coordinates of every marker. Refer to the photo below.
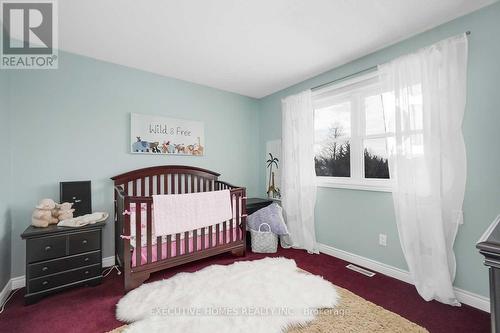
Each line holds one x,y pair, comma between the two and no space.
382,239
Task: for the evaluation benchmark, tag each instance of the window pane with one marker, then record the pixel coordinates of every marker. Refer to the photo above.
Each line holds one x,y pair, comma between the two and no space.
412,146
376,165
389,109
332,147
333,158
332,122
375,123
409,102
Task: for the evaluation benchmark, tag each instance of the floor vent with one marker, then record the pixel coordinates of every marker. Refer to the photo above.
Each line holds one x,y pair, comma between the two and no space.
360,270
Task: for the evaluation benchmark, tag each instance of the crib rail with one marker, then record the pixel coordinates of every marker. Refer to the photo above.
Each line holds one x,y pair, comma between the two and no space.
220,185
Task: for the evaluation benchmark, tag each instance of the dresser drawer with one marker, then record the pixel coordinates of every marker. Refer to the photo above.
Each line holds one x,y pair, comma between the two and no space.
63,264
61,279
45,248
84,242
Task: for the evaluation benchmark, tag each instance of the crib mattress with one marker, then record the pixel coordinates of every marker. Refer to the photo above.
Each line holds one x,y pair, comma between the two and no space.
235,231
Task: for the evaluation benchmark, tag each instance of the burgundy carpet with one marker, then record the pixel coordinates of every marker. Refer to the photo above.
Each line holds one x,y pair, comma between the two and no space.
91,309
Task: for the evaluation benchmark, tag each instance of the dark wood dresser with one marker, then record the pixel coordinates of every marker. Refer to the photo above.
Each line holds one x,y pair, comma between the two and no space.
61,257
489,247
254,204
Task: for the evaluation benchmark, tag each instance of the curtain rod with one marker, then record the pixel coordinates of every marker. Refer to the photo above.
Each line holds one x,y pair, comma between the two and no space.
366,70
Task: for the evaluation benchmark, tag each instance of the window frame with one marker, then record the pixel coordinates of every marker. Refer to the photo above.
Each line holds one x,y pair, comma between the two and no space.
357,180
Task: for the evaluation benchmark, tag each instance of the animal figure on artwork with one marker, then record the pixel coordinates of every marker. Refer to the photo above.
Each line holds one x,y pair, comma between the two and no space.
180,149
140,146
154,147
198,148
190,149
167,148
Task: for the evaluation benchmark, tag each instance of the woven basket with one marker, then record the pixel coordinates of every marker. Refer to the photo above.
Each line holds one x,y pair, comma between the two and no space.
264,241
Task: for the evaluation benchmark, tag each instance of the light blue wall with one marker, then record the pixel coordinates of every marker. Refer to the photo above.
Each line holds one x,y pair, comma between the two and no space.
5,170
351,220
73,124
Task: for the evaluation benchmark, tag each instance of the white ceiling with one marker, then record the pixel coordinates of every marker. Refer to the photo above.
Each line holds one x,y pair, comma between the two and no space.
251,47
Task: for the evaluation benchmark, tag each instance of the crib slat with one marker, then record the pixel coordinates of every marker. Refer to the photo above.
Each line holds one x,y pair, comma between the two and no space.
143,187
169,246
172,181
238,216
217,231
186,242
149,228
125,188
165,184
200,181
177,244
203,238
138,222
224,235
210,185
195,240
210,235
192,183
150,186
179,183
185,183
158,186
158,248
231,221
134,187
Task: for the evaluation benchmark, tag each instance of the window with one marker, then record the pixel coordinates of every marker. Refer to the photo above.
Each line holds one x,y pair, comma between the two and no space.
351,134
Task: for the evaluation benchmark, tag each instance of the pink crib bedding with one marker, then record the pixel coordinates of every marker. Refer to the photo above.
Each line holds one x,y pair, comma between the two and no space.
236,231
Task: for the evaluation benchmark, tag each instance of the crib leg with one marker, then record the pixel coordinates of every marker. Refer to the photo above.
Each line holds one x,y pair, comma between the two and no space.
135,280
238,252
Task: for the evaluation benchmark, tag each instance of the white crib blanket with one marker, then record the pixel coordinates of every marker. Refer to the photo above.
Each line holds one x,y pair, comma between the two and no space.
176,213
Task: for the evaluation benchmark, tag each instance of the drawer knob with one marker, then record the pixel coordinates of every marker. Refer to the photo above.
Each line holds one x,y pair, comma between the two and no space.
84,242
45,268
87,272
86,259
48,248
45,283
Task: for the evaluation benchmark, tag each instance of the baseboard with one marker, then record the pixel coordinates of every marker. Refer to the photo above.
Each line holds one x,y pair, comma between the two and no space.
370,264
108,261
5,291
20,281
477,301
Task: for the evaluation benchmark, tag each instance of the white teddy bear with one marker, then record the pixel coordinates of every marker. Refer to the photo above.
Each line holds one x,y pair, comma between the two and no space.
48,212
42,215
63,211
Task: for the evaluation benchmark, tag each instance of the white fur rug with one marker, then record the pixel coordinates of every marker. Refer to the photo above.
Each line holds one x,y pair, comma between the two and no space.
262,296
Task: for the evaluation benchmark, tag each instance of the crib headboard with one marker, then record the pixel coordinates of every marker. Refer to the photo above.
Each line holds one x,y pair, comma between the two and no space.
164,179
138,174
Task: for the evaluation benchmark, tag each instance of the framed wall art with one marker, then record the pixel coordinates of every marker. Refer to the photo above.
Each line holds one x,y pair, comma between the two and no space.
163,135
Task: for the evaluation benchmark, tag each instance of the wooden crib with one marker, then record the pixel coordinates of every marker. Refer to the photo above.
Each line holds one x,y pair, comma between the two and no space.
139,252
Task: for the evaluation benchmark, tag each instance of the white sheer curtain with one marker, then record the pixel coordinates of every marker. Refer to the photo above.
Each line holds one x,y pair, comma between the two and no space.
298,174
424,106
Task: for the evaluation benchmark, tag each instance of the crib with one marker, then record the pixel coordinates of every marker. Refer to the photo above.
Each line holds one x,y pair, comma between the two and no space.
139,252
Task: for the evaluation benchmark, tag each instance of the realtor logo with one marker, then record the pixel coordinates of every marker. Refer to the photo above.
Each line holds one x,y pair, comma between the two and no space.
29,39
